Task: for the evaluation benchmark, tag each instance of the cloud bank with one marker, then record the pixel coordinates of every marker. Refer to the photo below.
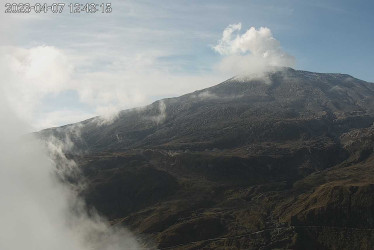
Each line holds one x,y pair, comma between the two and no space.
33,74
252,53
38,210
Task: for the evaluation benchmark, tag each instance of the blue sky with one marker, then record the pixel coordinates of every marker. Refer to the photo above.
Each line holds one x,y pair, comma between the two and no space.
147,50
336,36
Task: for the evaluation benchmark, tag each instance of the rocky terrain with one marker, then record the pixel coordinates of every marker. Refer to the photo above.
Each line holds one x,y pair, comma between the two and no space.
284,162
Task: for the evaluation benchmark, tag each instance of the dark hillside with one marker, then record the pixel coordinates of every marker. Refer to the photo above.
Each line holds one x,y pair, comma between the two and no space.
285,162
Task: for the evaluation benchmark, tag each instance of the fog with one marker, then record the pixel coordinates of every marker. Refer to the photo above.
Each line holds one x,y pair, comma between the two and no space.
37,210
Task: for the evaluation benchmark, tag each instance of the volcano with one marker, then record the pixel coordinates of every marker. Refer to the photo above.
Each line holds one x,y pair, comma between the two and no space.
284,161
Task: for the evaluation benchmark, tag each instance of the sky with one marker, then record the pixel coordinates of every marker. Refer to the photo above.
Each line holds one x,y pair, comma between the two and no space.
63,68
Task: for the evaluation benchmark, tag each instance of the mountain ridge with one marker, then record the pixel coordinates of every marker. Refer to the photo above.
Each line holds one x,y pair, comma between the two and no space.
287,160
205,89
280,99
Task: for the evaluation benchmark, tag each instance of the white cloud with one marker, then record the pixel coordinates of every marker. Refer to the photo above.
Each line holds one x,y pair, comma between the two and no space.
108,80
34,73
30,74
38,211
112,62
253,52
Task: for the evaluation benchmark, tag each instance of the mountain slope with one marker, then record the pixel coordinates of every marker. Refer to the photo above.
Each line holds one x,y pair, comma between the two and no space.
241,111
286,161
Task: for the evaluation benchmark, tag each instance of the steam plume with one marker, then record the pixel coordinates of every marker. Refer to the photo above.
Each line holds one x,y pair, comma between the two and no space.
252,53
